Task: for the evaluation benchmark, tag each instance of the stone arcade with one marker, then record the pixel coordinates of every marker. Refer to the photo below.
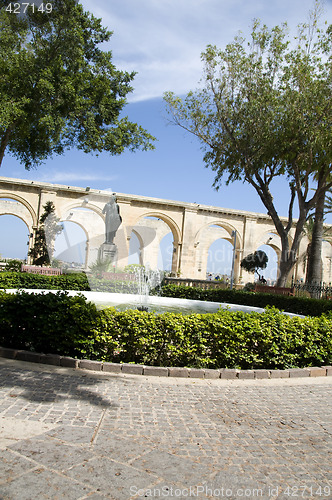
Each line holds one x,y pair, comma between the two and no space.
194,227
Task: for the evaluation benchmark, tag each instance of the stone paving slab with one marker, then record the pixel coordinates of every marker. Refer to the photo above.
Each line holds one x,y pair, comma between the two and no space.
94,435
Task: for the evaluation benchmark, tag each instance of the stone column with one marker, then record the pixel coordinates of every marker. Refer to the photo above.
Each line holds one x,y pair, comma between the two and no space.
185,252
248,238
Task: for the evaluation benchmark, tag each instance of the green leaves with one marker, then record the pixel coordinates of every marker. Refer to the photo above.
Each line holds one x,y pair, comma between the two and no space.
264,111
45,234
57,323
59,90
254,261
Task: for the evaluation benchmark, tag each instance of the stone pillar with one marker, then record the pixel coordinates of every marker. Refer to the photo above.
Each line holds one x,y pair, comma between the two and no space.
249,240
184,255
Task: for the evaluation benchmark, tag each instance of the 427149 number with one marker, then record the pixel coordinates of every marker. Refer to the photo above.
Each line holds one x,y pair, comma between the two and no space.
21,8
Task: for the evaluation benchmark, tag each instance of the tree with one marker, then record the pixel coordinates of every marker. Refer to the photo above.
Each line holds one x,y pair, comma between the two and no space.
255,261
316,232
13,265
45,235
58,89
264,111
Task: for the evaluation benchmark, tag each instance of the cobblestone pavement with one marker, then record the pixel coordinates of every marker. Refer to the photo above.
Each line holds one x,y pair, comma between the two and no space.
70,434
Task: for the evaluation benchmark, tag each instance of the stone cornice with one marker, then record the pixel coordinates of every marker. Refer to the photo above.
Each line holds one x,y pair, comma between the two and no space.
138,199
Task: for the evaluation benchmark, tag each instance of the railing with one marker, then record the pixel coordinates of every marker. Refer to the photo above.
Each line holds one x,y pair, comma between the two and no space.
318,291
205,284
278,290
52,271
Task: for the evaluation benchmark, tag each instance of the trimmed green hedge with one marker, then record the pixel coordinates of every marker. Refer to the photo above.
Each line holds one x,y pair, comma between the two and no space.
80,282
57,323
74,281
296,305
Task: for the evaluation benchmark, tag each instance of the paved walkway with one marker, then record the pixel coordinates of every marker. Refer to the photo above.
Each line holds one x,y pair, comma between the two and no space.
69,434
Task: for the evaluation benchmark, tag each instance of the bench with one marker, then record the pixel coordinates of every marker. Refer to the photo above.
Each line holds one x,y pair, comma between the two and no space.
278,290
50,271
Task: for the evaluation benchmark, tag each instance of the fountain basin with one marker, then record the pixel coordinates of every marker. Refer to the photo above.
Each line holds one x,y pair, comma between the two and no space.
123,301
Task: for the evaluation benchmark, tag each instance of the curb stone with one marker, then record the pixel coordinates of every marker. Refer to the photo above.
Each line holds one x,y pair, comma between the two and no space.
174,371
279,374
111,367
328,370
87,364
155,371
209,373
246,374
132,369
69,362
316,371
229,373
262,374
50,359
160,371
32,357
299,372
5,352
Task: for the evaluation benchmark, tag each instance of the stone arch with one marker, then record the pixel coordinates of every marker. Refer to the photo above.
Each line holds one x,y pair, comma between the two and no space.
272,239
224,225
141,244
91,220
12,204
33,221
168,220
327,261
72,248
79,205
202,243
174,229
14,236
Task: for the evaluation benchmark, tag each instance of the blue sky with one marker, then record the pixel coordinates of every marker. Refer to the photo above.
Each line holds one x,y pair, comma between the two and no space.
162,41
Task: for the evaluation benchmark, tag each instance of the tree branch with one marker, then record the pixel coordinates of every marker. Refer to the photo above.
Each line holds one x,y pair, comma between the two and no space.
290,209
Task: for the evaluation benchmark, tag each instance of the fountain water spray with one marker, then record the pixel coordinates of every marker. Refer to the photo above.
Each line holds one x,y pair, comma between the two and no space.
147,280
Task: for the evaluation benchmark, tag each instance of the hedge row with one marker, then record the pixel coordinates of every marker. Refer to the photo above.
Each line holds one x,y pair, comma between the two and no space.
72,326
73,281
296,305
80,282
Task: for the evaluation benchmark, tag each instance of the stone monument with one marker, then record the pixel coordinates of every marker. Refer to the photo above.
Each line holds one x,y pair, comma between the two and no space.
108,250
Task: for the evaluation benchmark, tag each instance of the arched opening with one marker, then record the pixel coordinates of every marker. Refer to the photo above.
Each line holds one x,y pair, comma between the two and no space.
92,222
270,273
219,260
70,247
14,238
135,253
214,252
327,261
152,244
166,251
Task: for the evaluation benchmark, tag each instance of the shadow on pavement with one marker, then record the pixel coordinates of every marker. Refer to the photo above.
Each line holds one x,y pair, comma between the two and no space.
50,387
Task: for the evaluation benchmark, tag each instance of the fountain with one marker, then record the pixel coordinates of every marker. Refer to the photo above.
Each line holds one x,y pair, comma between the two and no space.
142,281
147,280
156,304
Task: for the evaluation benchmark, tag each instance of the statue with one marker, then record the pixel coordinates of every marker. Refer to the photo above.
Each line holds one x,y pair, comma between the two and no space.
112,219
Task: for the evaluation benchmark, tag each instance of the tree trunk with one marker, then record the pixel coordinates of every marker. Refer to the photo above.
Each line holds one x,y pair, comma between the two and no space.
314,268
4,143
287,261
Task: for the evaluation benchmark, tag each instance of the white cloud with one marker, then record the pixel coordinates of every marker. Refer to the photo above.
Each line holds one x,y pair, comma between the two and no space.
64,177
162,40
75,176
